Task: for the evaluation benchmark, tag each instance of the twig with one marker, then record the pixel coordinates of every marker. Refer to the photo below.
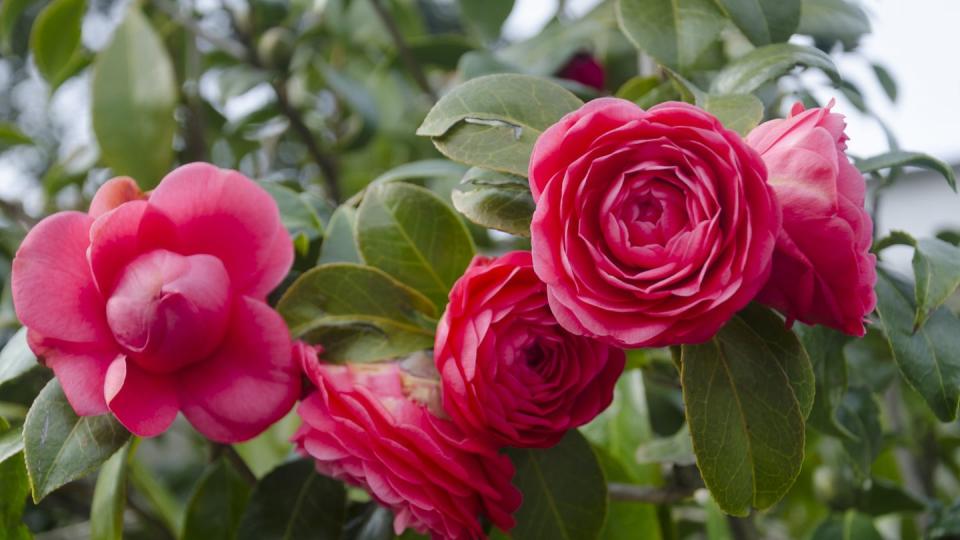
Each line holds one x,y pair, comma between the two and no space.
326,163
743,528
412,65
647,494
226,45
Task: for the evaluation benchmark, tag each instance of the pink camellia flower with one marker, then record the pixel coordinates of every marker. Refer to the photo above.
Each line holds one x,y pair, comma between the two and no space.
510,372
365,426
823,271
652,228
146,306
584,69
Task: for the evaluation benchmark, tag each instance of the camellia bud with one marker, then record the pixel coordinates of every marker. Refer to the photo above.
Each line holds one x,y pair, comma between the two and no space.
584,69
275,47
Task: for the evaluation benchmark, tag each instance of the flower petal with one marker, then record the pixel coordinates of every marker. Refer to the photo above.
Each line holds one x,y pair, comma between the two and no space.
227,215
113,193
250,382
145,403
81,369
53,290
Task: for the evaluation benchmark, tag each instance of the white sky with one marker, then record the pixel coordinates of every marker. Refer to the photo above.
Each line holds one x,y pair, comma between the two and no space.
914,39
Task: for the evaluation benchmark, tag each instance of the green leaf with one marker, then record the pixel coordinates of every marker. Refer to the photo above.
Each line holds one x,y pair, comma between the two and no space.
339,240
763,64
110,497
886,80
216,505
900,158
10,135
676,33
493,121
495,200
882,497
60,446
745,418
411,234
10,11
936,266
422,172
764,21
13,496
298,216
16,358
676,449
833,20
55,38
375,523
268,450
637,87
825,349
11,443
859,415
849,526
358,313
294,502
739,112
625,519
929,358
486,17
133,106
564,492
168,508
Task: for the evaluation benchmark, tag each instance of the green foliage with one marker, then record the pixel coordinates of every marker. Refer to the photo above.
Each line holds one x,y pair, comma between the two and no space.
358,313
55,39
133,107
411,234
13,478
764,64
495,200
110,497
60,446
764,21
294,502
493,121
900,158
16,358
564,494
216,505
746,409
677,33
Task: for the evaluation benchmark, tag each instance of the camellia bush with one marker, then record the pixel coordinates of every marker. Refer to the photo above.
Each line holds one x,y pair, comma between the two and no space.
368,269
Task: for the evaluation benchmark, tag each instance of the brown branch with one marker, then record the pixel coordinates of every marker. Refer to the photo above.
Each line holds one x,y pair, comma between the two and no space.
648,494
416,71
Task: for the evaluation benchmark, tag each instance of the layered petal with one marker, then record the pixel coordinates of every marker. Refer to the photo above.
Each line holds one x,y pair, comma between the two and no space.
80,368
248,383
144,402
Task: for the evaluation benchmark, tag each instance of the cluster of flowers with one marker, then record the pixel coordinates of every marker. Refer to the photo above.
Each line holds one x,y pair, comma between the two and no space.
652,228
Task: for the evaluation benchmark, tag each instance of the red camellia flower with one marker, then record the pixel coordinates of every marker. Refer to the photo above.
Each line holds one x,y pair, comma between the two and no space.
823,271
510,373
652,228
146,306
584,69
362,426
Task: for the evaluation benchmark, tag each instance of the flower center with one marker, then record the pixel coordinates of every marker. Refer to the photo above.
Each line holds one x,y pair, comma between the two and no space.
170,310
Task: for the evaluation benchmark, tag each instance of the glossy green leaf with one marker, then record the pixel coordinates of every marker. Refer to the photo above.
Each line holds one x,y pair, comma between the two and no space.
375,523
564,492
936,267
132,106
739,112
848,526
764,21
676,449
886,80
900,158
929,358
495,200
10,11
784,345
55,38
834,20
945,522
60,446
422,172
16,358
298,216
358,313
11,443
625,519
825,346
110,497
294,502
677,33
493,121
13,495
411,234
486,17
763,64
271,448
169,509
859,415
216,505
637,87
339,240
742,406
